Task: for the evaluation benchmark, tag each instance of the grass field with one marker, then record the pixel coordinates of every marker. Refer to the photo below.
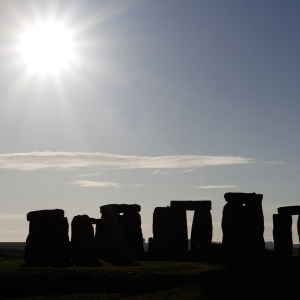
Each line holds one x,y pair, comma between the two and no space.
221,279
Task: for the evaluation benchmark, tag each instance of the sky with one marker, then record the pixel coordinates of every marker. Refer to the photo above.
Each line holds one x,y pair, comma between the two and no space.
159,101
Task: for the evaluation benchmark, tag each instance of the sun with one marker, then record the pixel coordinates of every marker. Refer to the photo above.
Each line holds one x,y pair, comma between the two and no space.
47,47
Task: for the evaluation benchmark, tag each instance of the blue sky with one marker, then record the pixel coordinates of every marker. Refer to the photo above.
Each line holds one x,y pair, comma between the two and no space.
165,100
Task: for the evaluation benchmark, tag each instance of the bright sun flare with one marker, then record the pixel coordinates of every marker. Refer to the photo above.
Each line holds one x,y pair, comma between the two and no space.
47,47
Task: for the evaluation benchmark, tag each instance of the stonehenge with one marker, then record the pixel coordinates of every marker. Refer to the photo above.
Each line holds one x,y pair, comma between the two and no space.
282,230
243,225
48,239
118,233
118,236
170,234
83,251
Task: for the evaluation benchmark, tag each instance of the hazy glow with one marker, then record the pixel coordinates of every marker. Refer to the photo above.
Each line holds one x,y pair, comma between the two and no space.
47,47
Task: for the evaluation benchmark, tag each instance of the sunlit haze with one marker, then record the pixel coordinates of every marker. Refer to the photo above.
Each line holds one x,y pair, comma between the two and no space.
47,47
145,102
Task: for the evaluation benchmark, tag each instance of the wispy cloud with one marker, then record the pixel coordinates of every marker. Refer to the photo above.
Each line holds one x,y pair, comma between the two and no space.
62,160
88,175
276,162
215,186
136,185
188,171
155,172
103,184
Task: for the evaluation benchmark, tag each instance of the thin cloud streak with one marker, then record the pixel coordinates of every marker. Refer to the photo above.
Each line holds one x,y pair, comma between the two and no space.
215,186
65,160
87,175
103,184
188,171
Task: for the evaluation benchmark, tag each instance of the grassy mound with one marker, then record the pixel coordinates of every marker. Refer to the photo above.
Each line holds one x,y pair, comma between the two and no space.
221,279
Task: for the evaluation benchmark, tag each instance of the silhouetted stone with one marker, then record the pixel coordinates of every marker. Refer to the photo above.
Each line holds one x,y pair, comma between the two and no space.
59,248
203,205
243,225
113,240
83,250
298,230
169,231
120,208
133,232
241,198
95,221
48,214
289,210
282,234
48,239
254,226
233,227
202,230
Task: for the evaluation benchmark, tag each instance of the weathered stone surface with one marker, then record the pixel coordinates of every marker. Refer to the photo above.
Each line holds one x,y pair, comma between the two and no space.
48,214
59,248
37,243
120,208
133,232
119,237
113,241
201,205
282,234
254,228
243,225
242,198
169,230
48,239
95,221
202,230
83,250
289,210
233,227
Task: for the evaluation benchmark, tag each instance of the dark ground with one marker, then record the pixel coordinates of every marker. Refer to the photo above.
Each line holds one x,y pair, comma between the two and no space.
220,279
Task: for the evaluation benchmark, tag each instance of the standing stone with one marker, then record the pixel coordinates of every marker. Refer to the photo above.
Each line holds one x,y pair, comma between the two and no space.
83,250
113,244
254,226
48,238
233,227
59,248
282,234
298,230
202,230
243,225
119,237
133,232
37,243
169,231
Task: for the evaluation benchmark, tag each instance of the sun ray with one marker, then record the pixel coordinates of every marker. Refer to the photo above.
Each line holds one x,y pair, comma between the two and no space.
47,47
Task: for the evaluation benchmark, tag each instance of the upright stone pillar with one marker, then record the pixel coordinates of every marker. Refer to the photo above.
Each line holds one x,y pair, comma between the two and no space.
282,231
48,239
282,234
169,231
254,226
202,230
120,236
243,225
83,249
233,227
133,231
